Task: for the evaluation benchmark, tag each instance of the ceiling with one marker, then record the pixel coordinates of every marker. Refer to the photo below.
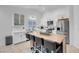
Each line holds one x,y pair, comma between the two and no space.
42,8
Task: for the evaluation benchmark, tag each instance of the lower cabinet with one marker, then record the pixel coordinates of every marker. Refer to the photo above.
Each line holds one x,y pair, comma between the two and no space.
18,37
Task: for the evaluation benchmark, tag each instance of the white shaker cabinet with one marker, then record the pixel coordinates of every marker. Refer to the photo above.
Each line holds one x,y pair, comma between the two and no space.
18,31
18,37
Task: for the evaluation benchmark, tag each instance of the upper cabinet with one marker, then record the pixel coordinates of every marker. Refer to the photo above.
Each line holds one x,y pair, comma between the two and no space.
18,19
21,19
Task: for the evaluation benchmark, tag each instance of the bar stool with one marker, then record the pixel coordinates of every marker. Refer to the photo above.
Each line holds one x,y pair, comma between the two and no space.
28,37
37,47
40,45
33,39
43,48
33,48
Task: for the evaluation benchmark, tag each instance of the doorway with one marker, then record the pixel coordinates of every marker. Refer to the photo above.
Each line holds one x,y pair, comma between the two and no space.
64,26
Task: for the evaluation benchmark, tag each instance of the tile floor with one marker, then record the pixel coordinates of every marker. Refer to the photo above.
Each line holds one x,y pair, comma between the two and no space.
25,48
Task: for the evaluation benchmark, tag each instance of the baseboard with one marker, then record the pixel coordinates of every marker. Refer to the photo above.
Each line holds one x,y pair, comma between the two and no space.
19,42
27,40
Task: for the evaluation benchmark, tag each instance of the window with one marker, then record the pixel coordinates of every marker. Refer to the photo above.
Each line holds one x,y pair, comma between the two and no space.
32,23
18,19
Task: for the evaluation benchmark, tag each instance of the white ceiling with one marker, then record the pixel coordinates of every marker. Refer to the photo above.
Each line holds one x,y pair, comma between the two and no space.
42,8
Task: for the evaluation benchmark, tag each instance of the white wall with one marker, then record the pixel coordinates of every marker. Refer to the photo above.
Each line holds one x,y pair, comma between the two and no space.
55,15
76,26
71,25
5,24
6,13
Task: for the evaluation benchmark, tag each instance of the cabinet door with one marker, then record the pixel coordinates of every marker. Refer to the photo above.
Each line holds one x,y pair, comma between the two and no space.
23,37
19,37
21,19
16,38
16,19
